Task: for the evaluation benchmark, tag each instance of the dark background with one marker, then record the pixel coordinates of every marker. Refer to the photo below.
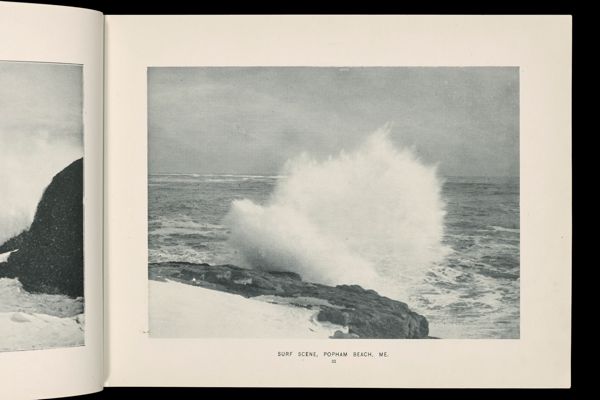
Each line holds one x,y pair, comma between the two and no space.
581,31
321,7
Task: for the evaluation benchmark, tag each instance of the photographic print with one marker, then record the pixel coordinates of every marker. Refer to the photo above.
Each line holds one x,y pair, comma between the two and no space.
41,206
333,202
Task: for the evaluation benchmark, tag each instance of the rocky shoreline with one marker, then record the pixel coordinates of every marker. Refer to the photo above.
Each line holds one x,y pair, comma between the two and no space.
366,314
48,257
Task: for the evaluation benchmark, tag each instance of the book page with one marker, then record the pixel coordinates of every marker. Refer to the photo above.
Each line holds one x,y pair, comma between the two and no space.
338,201
51,185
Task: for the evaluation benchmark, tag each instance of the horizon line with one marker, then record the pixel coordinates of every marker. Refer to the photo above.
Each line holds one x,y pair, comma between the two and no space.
262,174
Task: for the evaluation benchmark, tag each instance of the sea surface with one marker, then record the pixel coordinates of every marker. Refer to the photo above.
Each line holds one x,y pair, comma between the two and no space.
472,293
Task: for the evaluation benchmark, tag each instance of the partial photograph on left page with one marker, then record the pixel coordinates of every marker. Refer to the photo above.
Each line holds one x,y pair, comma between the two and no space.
41,213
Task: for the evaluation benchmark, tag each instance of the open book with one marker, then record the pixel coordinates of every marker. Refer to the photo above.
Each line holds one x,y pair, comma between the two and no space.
343,201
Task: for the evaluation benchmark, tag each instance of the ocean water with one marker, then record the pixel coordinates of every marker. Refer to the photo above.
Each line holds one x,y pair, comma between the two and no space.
472,292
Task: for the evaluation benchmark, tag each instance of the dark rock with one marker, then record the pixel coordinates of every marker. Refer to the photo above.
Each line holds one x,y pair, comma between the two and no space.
50,256
286,274
352,288
334,316
363,311
13,243
266,284
342,335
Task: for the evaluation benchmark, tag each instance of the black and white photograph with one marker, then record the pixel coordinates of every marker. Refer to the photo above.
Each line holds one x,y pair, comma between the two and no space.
325,202
41,206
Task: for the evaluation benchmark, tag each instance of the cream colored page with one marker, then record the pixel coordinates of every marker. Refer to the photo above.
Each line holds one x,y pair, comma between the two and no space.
539,45
62,49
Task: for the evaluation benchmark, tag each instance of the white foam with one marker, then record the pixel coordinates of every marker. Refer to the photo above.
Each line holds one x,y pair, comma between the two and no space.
24,331
373,216
27,165
504,229
14,298
38,321
4,256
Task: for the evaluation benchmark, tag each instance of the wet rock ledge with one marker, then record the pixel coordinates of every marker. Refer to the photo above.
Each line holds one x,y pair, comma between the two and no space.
364,312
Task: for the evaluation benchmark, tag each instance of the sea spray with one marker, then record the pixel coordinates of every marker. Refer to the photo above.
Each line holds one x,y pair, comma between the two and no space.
27,164
373,216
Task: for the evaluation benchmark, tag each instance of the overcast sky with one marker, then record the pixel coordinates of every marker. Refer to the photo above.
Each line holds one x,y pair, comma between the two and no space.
251,120
41,99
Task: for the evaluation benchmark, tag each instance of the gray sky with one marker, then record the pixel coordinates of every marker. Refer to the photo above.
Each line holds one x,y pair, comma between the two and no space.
41,99
251,120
